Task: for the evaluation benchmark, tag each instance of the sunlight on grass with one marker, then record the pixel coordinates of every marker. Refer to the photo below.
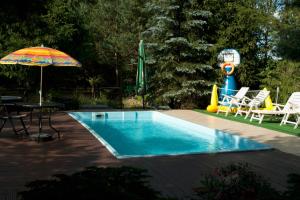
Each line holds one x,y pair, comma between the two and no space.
271,123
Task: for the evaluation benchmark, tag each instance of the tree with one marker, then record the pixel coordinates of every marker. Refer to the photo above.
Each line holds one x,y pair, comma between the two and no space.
66,29
289,31
177,52
285,71
20,26
284,74
114,27
248,27
56,24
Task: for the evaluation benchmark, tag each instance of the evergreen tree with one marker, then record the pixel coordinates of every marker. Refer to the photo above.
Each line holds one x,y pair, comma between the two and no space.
177,52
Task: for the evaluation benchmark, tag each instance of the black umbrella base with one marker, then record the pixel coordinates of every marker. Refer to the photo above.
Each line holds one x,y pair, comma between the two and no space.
41,137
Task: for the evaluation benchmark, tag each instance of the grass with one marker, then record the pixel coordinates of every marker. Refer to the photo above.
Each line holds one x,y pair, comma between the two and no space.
269,122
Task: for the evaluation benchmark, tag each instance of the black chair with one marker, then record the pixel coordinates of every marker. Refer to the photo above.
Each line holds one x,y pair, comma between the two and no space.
10,112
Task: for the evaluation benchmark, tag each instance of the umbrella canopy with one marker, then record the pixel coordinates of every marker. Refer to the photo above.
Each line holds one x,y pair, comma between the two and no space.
40,56
140,78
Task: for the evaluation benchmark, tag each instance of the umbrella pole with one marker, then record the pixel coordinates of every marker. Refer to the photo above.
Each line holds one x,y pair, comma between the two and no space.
41,86
144,85
144,88
143,96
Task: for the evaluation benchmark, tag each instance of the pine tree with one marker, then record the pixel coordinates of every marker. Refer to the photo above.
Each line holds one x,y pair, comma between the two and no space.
177,53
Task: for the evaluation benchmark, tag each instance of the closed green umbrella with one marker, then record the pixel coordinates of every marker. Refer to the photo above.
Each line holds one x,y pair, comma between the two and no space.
141,75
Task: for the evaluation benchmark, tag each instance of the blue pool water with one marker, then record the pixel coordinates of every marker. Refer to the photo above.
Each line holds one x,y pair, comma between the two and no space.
150,133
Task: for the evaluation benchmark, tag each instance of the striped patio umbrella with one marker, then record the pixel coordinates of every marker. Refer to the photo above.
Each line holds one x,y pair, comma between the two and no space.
40,56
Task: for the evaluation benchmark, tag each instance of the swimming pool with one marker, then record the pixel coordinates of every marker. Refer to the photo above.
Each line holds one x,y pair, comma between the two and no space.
151,133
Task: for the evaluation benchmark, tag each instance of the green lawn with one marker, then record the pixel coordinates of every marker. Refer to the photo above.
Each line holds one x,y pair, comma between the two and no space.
271,123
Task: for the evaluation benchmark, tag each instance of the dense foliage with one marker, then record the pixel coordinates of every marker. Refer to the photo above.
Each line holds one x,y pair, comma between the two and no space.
246,26
238,182
285,75
182,41
94,183
284,71
235,181
292,191
289,31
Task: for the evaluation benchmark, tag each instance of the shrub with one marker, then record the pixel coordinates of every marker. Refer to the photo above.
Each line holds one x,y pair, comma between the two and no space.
132,102
235,182
285,75
94,183
293,189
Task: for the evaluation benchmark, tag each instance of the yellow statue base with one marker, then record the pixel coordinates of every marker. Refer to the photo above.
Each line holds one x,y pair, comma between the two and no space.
212,108
225,108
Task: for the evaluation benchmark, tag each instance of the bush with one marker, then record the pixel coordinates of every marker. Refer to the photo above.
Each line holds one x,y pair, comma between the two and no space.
285,75
124,183
235,182
63,97
133,102
293,189
85,99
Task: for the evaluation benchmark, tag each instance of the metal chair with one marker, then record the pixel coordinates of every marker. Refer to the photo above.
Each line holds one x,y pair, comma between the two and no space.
9,112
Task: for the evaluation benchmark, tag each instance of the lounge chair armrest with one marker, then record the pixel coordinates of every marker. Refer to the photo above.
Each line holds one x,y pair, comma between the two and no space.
228,96
253,100
245,100
278,106
294,106
245,97
225,95
226,99
242,104
234,97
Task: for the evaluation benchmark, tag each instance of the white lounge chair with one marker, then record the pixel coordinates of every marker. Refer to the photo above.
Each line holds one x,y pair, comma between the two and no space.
230,101
247,104
285,119
292,107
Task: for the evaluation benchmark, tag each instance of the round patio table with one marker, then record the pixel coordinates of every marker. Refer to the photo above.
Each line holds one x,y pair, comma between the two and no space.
50,107
9,99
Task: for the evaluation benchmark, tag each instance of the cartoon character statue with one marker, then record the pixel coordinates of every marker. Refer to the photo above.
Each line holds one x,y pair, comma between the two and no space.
229,60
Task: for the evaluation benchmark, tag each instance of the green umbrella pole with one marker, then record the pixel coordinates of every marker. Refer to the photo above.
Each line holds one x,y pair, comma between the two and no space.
143,94
144,85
